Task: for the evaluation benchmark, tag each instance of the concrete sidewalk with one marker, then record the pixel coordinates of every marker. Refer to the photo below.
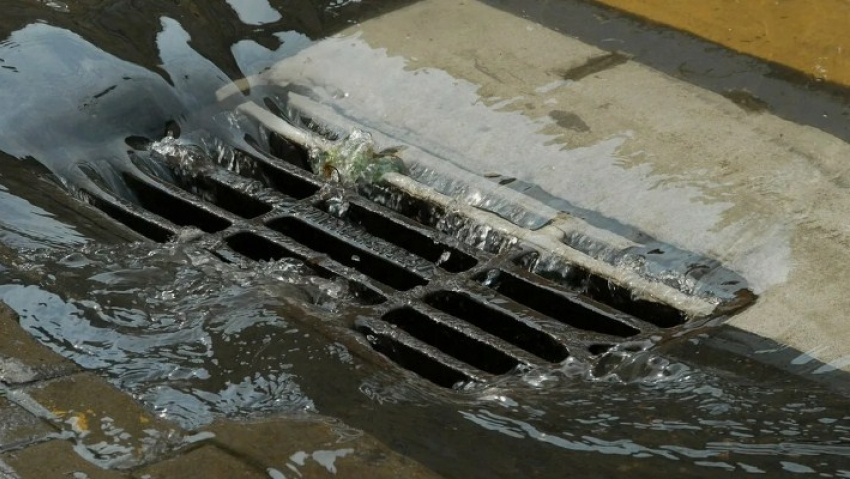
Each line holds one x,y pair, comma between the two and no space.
496,94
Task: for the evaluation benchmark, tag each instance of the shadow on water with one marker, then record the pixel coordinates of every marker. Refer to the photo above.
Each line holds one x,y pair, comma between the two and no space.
194,338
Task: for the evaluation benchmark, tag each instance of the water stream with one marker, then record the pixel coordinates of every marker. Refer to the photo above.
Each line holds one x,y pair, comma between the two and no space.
194,338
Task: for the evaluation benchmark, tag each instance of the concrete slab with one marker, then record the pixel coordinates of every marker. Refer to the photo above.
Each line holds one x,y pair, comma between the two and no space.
206,461
52,459
494,93
109,427
314,448
22,358
18,427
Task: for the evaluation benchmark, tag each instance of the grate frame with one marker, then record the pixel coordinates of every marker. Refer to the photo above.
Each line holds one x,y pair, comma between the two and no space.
427,301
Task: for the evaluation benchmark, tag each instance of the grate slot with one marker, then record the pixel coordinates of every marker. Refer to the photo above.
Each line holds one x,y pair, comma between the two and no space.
288,151
173,208
556,305
434,216
497,323
403,203
599,289
347,254
412,357
226,197
278,178
132,220
597,349
619,298
258,248
447,257
451,341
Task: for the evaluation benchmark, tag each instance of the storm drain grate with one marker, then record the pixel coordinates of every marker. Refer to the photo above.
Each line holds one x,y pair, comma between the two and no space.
429,302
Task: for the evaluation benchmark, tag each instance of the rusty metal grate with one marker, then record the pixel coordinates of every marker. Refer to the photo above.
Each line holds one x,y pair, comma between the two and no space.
430,303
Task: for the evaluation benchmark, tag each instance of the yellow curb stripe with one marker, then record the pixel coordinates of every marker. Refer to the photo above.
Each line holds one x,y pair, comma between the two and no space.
811,36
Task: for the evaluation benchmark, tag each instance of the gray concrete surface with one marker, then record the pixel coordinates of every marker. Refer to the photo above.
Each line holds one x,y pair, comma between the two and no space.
491,92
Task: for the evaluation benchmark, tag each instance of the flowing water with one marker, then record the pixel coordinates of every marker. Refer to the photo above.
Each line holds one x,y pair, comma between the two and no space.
194,338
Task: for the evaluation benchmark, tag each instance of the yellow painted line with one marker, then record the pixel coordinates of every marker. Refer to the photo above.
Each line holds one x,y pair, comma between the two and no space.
811,36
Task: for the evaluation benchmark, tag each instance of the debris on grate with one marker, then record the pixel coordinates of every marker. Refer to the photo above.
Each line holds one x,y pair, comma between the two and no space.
448,291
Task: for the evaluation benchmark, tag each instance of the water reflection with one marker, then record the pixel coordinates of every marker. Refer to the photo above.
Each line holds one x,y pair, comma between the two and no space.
254,12
26,226
70,101
765,429
105,96
190,336
102,100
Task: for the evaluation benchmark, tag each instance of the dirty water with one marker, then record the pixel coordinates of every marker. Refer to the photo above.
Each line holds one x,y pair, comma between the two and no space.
194,338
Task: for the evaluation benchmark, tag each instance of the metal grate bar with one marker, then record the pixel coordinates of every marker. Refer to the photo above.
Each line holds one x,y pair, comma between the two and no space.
214,190
399,231
312,236
517,330
261,248
168,202
418,356
567,307
128,214
427,315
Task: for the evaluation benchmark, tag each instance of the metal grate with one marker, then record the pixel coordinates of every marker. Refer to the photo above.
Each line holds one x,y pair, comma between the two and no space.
430,303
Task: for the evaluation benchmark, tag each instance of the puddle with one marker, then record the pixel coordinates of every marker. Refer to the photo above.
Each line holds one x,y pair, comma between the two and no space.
185,333
26,226
194,338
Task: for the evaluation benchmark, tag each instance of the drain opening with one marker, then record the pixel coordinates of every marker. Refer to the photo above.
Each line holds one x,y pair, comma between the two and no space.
285,182
413,359
275,176
620,298
288,152
131,219
447,257
454,225
405,204
345,253
499,324
597,349
600,289
258,248
562,306
452,342
173,208
224,196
